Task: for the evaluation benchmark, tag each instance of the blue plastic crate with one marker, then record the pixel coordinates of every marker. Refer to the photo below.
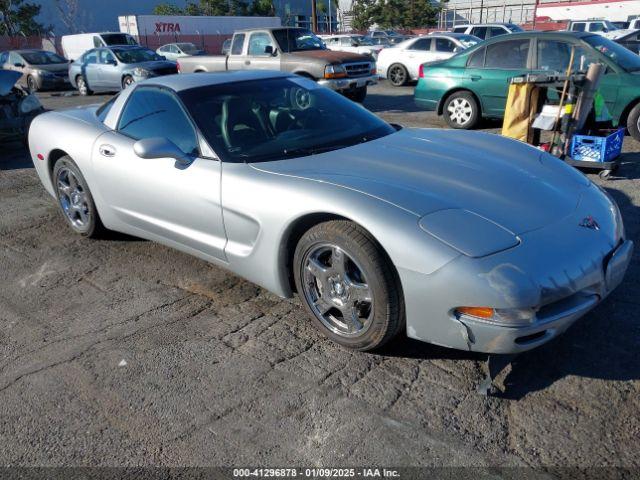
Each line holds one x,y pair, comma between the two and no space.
588,148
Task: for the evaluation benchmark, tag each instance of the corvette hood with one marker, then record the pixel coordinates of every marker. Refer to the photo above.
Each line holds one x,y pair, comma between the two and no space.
423,171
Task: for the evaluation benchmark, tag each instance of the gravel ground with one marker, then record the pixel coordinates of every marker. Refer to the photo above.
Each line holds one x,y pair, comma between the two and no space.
124,352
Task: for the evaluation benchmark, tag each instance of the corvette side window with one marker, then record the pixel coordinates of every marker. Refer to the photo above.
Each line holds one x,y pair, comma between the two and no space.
152,112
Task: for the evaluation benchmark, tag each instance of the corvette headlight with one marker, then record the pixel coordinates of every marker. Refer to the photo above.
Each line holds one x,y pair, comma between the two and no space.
467,232
141,72
508,317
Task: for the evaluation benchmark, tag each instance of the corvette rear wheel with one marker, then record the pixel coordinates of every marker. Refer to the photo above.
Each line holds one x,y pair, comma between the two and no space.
348,285
75,200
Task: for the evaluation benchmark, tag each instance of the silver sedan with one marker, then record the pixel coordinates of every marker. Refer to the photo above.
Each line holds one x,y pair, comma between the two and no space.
462,239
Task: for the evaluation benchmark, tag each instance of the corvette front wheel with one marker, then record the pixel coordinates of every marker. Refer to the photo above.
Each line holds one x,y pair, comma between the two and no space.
348,285
75,199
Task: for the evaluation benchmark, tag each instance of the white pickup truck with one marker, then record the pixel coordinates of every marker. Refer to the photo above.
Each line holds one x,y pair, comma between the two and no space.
295,50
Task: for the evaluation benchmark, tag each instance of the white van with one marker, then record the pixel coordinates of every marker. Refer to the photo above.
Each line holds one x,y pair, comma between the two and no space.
73,46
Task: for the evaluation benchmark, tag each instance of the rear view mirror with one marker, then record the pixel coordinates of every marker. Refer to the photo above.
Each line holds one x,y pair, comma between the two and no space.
457,49
159,147
18,64
268,50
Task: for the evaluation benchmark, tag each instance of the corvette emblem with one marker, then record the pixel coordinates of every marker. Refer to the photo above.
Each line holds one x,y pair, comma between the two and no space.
589,222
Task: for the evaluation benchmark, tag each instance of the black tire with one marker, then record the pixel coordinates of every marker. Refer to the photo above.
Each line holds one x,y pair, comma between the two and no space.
93,227
461,111
385,313
83,86
32,84
633,120
127,81
398,75
358,94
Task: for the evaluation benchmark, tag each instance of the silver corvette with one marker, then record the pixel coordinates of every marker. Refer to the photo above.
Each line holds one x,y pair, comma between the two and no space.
462,239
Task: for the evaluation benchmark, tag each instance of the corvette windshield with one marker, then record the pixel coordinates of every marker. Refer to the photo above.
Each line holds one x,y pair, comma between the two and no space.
274,119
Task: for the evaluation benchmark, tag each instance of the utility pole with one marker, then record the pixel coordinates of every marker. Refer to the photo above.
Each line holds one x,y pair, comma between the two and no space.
314,17
481,8
535,13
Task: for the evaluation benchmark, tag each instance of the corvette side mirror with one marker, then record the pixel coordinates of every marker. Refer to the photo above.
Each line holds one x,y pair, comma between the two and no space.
159,147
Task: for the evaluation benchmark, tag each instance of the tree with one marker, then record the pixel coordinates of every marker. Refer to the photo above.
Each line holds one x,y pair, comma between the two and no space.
167,9
18,18
362,14
393,13
73,17
262,8
192,9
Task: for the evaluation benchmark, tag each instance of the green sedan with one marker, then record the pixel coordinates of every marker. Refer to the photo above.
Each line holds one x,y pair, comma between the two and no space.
473,84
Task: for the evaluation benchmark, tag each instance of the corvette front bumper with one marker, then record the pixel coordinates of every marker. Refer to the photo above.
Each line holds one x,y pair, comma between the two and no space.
562,285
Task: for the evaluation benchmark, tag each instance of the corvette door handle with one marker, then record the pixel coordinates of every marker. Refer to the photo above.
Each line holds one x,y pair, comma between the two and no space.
107,150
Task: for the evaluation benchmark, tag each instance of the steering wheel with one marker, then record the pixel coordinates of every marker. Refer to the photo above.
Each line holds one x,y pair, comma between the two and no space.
300,98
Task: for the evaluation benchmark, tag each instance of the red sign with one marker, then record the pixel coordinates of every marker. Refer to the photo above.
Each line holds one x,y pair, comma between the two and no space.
162,27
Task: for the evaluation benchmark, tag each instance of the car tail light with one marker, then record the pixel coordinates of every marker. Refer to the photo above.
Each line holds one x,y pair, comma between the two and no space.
421,71
178,66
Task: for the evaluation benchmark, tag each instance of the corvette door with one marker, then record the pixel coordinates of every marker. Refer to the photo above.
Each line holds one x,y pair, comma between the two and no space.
163,199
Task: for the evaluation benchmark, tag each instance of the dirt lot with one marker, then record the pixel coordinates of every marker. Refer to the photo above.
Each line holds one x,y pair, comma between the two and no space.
124,352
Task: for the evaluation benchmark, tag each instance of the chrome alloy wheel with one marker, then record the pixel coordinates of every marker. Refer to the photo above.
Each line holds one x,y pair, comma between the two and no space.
73,199
336,289
460,110
397,75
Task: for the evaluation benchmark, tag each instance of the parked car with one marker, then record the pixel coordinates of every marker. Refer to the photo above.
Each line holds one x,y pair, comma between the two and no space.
383,41
74,46
39,69
352,43
474,84
17,108
173,51
295,50
621,25
464,239
390,36
401,63
631,41
487,30
601,27
115,68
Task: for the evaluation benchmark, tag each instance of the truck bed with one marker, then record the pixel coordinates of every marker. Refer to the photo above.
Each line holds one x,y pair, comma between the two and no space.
203,63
